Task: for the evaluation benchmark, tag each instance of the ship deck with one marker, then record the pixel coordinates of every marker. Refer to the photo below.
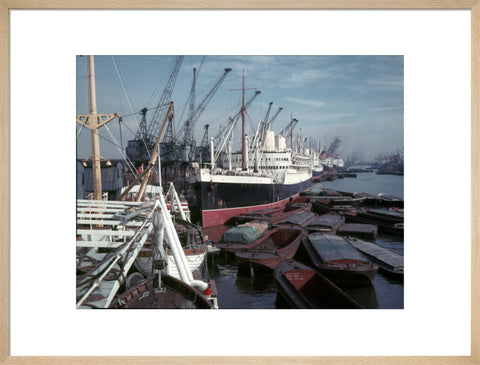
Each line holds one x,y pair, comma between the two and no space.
110,235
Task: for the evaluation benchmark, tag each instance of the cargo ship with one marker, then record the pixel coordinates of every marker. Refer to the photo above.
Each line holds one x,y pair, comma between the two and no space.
265,174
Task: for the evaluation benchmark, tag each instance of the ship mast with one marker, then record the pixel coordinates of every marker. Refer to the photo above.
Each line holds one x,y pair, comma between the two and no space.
244,112
94,122
243,123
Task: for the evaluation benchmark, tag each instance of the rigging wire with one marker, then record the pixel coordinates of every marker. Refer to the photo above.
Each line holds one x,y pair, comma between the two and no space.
158,86
137,113
129,103
123,85
129,163
80,130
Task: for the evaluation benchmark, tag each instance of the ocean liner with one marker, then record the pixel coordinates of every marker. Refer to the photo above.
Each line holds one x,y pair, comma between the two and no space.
317,167
265,174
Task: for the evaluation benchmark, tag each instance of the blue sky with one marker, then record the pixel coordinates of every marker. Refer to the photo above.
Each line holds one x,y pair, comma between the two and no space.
356,98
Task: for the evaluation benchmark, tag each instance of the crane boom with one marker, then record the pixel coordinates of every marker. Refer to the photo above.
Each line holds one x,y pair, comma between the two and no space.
273,118
156,123
140,148
290,127
192,95
288,131
262,126
268,111
189,125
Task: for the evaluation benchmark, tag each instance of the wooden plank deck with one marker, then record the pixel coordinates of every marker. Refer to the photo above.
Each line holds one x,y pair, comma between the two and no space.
383,255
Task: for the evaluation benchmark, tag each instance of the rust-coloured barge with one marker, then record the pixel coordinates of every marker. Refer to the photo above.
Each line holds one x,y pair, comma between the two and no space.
272,215
305,288
266,253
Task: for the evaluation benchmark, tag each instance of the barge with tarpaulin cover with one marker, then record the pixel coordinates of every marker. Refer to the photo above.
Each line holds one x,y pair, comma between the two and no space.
359,230
339,261
301,219
387,221
389,262
240,236
326,223
272,215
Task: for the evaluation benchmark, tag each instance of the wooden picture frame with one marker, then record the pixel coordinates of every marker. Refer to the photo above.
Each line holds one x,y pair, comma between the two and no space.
7,5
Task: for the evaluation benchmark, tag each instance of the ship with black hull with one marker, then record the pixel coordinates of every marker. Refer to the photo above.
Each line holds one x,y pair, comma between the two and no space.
223,195
265,174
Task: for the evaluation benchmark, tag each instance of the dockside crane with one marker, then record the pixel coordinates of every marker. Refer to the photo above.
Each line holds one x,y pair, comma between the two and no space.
188,128
288,131
268,112
140,148
142,128
270,122
261,127
265,126
201,152
205,136
163,104
191,97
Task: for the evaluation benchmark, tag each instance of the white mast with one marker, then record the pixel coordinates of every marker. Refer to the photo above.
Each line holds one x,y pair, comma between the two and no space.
94,121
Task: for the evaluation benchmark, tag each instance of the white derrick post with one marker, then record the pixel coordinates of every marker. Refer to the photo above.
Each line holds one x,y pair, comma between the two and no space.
212,154
229,156
94,121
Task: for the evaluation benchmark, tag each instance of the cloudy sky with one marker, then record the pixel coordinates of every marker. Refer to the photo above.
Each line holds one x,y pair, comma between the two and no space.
358,99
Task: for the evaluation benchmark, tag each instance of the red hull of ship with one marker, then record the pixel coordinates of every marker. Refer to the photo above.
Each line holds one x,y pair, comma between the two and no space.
216,217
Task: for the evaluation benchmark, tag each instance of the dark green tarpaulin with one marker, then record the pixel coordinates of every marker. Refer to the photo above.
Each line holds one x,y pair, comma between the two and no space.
332,248
245,233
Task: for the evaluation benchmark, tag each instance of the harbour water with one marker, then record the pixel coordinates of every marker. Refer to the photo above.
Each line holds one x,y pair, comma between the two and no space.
260,292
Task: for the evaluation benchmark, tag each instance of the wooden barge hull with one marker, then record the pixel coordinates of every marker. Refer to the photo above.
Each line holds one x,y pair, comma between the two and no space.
349,274
280,244
396,229
271,215
326,223
358,230
230,248
389,262
335,258
301,219
265,259
304,288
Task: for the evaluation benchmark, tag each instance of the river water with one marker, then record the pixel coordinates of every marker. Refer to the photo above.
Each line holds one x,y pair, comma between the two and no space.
260,291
